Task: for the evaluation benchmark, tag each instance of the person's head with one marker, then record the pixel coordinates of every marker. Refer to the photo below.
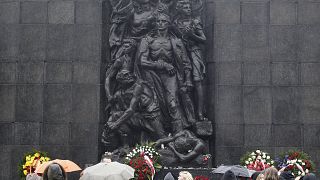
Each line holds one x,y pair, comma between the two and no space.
128,45
125,77
260,177
271,174
163,21
54,172
184,7
229,175
255,175
106,157
181,144
185,175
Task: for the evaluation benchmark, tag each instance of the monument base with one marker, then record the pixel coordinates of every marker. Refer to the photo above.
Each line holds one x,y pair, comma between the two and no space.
207,172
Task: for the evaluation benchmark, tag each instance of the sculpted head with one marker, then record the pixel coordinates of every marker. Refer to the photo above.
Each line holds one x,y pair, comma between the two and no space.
163,21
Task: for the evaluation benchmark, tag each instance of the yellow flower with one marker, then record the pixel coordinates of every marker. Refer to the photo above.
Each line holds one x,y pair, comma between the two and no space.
24,166
25,172
37,155
28,163
28,158
42,159
47,159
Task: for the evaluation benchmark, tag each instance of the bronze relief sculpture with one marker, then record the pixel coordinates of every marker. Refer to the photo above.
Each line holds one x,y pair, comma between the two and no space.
154,83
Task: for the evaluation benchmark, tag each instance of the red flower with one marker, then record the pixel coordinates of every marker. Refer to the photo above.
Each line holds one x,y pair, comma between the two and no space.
201,178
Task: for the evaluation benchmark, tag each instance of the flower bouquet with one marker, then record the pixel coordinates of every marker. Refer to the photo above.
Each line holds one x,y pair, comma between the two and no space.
30,162
297,162
256,160
144,160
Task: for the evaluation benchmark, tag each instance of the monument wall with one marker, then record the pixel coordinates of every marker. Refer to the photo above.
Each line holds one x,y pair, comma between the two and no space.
262,81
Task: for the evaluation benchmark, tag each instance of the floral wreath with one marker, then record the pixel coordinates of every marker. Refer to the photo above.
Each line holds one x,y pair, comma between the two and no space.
31,161
295,161
256,160
144,160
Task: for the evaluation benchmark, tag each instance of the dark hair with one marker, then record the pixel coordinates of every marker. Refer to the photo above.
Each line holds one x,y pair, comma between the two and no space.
255,175
229,175
107,155
45,173
310,176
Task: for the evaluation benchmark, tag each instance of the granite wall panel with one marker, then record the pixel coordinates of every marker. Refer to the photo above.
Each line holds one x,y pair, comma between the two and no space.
262,81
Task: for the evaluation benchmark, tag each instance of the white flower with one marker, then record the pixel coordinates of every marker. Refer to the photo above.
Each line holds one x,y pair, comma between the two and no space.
299,173
249,159
271,162
247,162
253,157
268,157
268,164
307,171
252,154
259,157
264,156
303,174
250,162
299,160
294,161
303,163
258,151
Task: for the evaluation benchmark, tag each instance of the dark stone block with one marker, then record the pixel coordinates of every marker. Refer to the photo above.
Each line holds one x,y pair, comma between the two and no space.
314,153
255,43
27,133
309,13
311,135
254,13
88,12
310,110
60,42
86,73
229,135
84,133
285,73
6,133
286,105
87,42
227,42
9,12
257,105
34,12
309,43
258,135
211,73
55,134
61,12
30,72
310,73
9,44
228,107
228,73
227,12
29,103
56,151
33,42
7,72
287,135
84,154
7,103
58,73
283,13
283,43
85,103
228,155
6,168
57,103
256,73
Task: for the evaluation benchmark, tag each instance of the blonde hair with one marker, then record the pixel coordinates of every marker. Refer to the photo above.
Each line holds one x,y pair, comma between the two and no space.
186,175
271,174
260,177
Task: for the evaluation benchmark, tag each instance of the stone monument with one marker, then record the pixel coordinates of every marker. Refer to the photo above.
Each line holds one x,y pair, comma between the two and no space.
154,82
